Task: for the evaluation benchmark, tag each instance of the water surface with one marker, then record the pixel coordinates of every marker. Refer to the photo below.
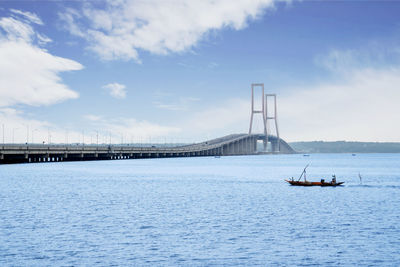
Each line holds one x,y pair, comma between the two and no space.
201,211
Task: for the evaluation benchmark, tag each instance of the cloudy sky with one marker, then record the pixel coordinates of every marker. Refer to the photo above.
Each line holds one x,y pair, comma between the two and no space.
180,71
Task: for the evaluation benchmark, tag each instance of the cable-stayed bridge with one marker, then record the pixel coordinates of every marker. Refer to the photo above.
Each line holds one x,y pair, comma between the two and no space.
234,144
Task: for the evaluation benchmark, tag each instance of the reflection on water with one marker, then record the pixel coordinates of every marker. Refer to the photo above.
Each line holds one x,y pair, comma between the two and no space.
201,211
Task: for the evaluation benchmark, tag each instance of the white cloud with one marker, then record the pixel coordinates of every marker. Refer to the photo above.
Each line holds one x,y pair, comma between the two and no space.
18,128
362,107
360,104
30,74
31,17
116,90
69,18
122,28
42,39
16,30
372,55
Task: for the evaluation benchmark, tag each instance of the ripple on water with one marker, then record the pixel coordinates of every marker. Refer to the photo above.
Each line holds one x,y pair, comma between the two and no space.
200,211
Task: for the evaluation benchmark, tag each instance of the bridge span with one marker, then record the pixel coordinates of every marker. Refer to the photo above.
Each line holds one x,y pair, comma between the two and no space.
234,144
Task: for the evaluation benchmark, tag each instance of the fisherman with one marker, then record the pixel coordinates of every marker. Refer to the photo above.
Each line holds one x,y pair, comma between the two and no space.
333,179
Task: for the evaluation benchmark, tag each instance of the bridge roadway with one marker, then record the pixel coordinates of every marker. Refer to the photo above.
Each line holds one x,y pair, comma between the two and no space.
234,144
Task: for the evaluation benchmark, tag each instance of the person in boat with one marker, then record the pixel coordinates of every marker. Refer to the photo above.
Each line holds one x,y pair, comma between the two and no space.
322,181
333,179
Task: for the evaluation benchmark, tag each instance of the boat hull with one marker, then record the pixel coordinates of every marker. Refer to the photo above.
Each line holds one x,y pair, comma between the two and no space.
307,183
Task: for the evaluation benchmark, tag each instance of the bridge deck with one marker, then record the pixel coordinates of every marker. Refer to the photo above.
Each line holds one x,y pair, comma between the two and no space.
235,144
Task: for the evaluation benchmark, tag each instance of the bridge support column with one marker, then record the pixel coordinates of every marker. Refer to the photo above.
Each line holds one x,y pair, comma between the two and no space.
274,146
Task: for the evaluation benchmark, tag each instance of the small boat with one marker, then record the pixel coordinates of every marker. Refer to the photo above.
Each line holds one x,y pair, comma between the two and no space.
308,183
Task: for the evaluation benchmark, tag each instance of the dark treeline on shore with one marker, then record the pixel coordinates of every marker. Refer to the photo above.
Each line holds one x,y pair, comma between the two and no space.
345,147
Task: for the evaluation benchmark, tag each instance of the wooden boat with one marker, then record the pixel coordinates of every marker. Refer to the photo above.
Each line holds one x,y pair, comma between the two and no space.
308,183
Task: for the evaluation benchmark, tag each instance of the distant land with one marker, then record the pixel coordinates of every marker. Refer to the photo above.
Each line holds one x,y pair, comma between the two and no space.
345,147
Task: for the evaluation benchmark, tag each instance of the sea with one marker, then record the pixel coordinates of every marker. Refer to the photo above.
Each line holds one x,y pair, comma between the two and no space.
202,211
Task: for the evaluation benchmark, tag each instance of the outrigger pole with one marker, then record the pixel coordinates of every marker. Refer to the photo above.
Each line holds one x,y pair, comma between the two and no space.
304,172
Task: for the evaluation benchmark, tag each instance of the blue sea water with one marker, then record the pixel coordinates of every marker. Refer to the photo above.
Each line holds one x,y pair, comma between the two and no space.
204,211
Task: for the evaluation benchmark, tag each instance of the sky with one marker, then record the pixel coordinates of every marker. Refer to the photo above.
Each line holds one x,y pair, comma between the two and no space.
181,71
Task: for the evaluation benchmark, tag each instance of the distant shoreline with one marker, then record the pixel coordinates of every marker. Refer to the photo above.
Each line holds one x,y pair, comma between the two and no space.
345,147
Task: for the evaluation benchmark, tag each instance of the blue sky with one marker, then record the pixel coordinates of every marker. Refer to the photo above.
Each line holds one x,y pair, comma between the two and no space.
180,71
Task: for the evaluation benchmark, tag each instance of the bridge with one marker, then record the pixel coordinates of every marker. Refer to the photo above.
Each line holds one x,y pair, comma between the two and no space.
230,145
234,144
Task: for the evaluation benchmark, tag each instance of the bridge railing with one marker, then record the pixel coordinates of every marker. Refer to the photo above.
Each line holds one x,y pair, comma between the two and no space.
228,145
215,143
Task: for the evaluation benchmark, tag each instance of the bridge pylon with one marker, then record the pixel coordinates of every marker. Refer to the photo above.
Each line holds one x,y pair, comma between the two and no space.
272,117
258,111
